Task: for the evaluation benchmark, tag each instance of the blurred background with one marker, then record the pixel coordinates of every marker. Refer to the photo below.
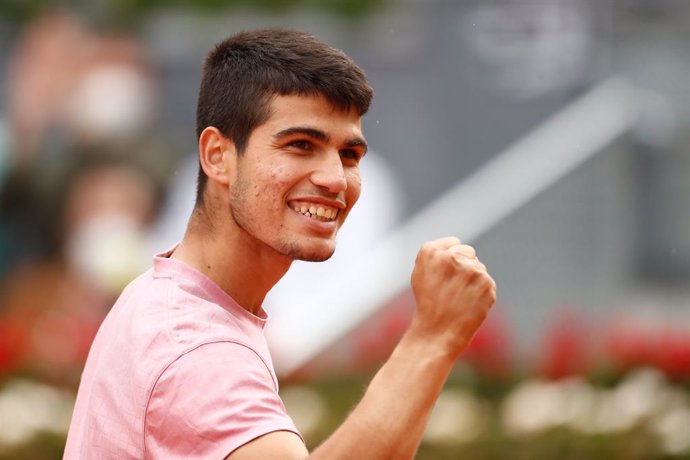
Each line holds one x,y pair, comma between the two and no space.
550,134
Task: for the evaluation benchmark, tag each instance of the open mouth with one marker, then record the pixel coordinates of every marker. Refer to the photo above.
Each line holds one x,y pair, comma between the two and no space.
316,211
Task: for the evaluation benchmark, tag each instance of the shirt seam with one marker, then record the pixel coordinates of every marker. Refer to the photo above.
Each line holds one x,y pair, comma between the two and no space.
184,353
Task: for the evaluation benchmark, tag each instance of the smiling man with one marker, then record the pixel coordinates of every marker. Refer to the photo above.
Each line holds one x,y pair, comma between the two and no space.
180,367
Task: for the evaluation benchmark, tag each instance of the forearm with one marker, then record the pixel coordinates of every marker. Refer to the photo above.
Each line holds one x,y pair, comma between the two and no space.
390,420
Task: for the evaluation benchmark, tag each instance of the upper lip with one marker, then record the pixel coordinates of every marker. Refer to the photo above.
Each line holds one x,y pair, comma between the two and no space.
321,200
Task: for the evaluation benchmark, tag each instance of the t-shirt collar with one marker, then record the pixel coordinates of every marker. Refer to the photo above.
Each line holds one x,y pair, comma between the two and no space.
201,285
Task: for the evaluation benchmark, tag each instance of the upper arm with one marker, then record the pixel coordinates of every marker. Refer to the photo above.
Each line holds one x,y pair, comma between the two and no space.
211,401
277,444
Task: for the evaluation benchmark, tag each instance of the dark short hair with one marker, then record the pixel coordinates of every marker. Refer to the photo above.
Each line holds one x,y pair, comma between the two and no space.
242,73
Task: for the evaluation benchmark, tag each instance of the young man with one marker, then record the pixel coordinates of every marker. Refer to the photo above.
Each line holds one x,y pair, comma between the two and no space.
179,368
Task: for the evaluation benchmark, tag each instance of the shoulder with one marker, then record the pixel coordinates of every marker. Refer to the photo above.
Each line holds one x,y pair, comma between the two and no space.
222,360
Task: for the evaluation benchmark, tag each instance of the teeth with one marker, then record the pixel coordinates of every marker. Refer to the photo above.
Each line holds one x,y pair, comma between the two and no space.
314,211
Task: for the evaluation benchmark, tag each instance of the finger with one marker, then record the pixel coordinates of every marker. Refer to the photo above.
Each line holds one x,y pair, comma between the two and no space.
477,266
464,251
445,242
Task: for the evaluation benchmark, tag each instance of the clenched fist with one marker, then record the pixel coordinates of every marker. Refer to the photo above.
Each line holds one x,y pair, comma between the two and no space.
454,293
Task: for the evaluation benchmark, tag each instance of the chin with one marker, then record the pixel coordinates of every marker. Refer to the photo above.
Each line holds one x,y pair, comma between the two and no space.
314,257
311,252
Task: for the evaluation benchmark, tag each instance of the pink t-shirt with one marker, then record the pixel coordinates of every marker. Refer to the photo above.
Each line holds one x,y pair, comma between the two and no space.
177,370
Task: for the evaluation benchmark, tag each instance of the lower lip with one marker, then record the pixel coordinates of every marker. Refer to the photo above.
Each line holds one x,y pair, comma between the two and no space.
318,226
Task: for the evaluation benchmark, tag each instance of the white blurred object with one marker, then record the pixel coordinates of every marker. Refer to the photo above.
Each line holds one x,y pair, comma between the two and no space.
531,48
27,407
109,250
111,101
459,416
306,408
644,398
673,428
536,405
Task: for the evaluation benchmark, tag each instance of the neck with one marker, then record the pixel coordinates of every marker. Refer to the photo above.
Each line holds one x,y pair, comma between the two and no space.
243,267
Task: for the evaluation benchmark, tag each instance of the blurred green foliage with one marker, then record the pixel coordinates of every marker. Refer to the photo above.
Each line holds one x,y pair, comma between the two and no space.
127,12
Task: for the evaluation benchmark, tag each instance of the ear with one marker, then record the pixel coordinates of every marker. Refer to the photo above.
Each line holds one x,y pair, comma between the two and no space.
216,155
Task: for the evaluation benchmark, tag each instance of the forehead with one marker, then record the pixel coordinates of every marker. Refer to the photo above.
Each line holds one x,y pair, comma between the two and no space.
313,111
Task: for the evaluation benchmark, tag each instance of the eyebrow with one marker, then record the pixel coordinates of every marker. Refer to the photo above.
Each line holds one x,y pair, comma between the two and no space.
319,135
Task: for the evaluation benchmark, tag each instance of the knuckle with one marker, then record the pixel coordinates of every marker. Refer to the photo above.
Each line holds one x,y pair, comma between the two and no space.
469,250
492,298
491,286
453,239
487,281
478,267
427,248
477,271
463,265
424,252
491,291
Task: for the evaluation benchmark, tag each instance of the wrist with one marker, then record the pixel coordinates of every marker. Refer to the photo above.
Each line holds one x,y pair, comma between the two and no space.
444,340
431,344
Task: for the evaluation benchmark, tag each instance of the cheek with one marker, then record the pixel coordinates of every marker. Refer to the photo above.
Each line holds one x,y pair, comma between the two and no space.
354,186
278,167
277,181
275,173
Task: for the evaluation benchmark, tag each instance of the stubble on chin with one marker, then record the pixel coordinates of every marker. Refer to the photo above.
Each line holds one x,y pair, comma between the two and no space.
296,252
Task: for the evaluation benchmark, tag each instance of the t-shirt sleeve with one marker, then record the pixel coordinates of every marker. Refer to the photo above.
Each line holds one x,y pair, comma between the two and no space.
211,401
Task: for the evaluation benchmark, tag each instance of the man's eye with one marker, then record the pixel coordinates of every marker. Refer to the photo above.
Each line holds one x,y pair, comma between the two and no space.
349,154
301,145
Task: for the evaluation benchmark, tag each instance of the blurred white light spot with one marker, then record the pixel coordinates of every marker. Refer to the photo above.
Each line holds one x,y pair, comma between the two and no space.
634,400
306,407
673,428
111,101
27,407
109,251
536,406
457,417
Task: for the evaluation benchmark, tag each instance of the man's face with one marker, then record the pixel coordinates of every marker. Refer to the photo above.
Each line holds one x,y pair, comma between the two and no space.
299,177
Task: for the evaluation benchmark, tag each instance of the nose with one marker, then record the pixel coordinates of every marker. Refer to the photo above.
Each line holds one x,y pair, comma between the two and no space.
330,173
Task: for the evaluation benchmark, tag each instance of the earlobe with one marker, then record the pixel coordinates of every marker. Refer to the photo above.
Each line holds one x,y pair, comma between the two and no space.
215,152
